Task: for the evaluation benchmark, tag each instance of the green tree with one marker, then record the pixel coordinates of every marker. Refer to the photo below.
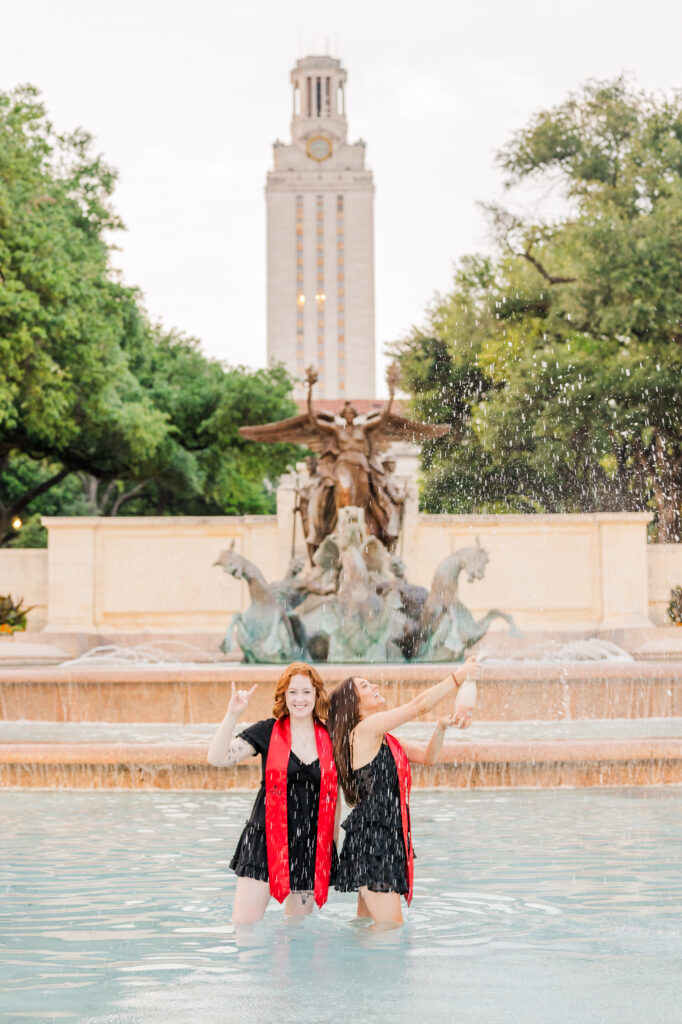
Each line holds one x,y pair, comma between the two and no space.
67,394
87,387
65,497
574,326
203,467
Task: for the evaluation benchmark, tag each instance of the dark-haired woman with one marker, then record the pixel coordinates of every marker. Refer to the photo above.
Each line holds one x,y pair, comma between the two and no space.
287,848
376,859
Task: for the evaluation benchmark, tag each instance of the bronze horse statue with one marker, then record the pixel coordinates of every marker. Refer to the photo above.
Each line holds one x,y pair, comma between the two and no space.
446,627
264,631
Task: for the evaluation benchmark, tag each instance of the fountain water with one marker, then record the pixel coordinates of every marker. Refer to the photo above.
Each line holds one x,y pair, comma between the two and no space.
537,724
161,652
554,652
116,910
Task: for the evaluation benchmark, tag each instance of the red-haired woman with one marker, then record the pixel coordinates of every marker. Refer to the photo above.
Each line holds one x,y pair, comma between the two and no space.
287,848
374,771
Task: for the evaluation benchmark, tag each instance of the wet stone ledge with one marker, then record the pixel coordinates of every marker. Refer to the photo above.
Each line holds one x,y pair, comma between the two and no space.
556,764
512,692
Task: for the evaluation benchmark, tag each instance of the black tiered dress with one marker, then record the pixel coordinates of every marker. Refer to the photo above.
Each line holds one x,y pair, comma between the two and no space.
373,852
303,798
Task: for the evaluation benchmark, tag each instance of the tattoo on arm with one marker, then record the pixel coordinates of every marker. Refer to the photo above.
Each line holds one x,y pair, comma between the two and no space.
239,749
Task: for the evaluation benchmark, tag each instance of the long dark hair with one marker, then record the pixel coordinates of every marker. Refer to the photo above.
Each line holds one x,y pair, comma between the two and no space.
344,715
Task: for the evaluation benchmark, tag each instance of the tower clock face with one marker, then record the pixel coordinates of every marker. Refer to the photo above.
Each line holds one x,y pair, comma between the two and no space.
319,148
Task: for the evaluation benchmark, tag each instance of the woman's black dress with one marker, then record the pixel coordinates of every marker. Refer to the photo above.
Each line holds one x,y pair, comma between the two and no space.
303,798
373,852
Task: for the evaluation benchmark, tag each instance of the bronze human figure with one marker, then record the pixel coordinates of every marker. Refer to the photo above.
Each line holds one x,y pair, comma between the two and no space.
349,471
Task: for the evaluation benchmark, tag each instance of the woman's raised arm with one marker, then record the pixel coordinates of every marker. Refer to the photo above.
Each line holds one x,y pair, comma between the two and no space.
383,721
223,751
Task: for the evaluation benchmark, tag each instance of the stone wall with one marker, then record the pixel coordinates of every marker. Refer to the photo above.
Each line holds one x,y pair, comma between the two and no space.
133,573
550,572
665,572
23,573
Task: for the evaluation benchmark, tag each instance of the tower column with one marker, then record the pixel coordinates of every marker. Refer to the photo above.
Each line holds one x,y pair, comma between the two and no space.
320,262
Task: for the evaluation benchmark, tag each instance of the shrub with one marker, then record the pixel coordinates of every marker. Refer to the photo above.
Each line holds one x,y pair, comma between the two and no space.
675,605
12,614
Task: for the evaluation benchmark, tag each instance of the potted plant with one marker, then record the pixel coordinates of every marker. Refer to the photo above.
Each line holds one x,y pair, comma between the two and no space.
675,606
12,615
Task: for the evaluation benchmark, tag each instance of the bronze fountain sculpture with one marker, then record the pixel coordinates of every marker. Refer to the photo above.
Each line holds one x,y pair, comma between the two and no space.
349,470
352,603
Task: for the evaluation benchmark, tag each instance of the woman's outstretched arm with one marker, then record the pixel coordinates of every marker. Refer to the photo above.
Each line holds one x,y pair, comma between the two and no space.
383,721
428,755
223,751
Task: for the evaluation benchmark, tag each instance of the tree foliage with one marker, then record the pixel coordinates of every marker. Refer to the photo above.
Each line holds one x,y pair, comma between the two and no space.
558,360
87,386
203,466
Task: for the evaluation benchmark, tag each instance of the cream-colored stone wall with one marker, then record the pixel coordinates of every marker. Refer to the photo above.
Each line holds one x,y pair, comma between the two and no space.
548,571
665,572
551,572
152,574
23,573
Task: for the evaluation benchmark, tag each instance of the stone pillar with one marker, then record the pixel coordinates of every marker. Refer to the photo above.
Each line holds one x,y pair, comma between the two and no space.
71,573
624,569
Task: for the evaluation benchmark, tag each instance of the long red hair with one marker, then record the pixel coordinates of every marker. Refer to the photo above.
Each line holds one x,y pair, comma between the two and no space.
301,668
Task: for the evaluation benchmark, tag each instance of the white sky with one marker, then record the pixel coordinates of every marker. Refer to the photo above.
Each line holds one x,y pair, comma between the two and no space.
185,98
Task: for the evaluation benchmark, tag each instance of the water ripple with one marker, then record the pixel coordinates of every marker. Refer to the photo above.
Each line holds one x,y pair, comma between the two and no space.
116,908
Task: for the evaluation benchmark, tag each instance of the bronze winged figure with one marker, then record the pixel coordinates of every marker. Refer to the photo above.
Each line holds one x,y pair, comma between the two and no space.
349,470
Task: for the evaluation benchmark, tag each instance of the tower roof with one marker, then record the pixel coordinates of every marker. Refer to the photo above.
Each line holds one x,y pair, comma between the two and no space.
317,61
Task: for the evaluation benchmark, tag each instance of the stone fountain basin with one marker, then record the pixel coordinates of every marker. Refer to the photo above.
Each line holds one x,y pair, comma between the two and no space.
537,725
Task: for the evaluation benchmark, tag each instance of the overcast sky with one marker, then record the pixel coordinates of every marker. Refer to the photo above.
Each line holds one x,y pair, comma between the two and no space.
185,98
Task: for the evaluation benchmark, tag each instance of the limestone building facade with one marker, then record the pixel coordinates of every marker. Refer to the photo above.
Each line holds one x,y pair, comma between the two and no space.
320,241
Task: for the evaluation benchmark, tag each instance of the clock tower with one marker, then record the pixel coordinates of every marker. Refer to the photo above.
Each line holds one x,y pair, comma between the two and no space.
320,241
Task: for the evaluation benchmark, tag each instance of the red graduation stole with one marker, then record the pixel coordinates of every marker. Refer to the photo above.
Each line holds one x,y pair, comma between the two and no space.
405,784
276,831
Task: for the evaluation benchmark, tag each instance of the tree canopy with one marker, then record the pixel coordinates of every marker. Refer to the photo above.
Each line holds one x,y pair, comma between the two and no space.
87,385
558,359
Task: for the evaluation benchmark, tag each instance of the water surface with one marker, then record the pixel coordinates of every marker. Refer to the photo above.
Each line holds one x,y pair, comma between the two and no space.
550,907
480,732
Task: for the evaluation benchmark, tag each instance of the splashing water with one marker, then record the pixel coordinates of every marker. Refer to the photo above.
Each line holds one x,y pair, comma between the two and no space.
552,651
157,652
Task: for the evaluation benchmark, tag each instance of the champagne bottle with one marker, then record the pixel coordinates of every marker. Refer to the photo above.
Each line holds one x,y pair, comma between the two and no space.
466,697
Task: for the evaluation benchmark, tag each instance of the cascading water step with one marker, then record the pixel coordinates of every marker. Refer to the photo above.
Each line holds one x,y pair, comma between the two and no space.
505,764
513,691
